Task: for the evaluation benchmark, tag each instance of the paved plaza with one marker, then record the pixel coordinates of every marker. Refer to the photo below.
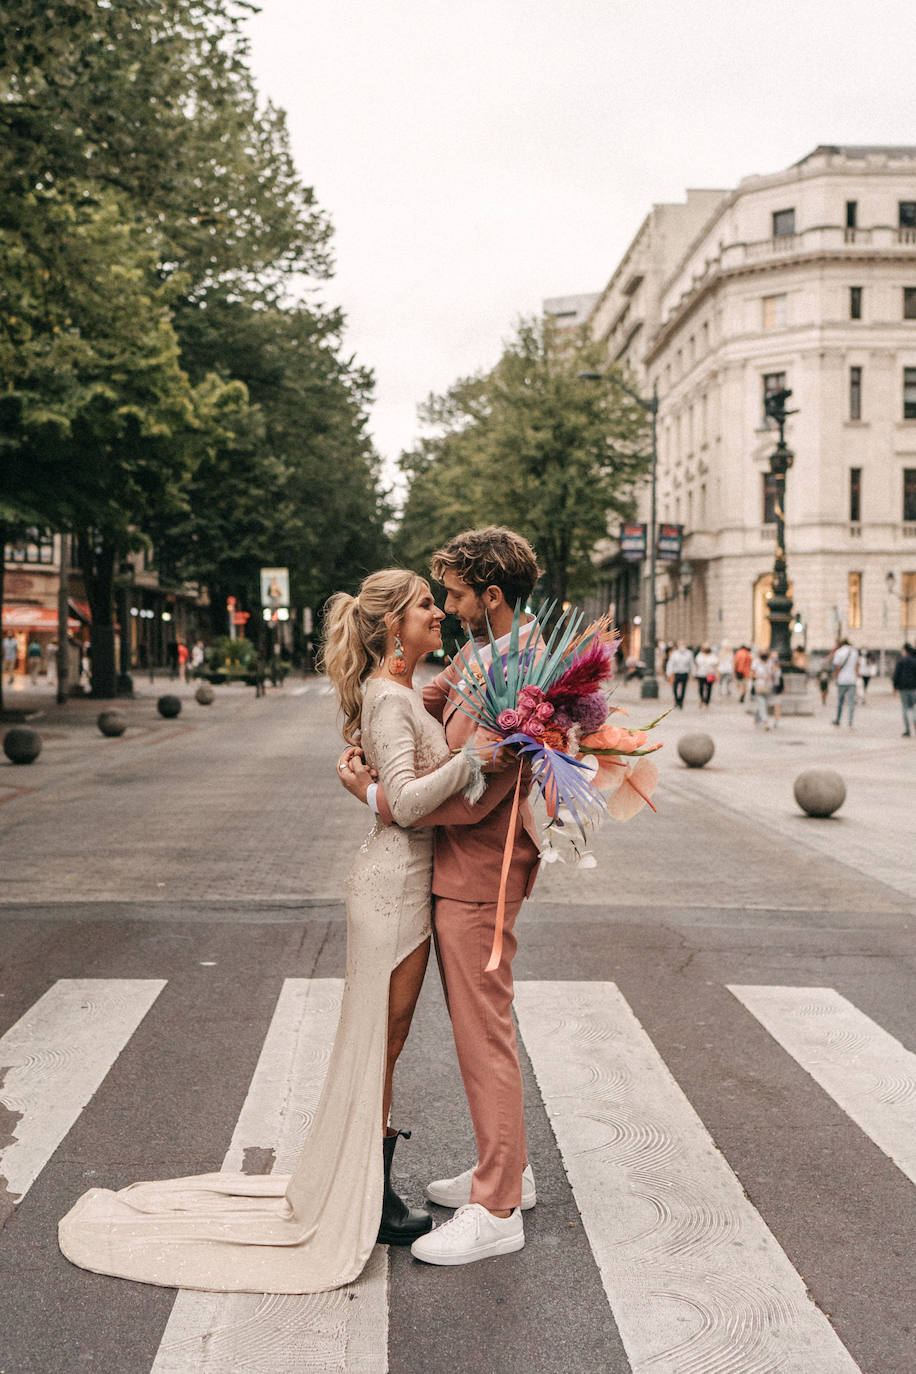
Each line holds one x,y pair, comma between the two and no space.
717,1033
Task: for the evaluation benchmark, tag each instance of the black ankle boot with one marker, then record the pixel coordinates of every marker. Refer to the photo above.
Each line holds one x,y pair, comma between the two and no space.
401,1225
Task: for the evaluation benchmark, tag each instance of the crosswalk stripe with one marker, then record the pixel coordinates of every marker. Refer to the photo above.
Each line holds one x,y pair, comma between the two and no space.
51,1064
696,1281
868,1073
345,1330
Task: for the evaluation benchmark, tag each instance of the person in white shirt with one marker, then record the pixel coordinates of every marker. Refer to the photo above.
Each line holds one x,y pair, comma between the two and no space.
679,668
725,666
764,669
846,672
704,670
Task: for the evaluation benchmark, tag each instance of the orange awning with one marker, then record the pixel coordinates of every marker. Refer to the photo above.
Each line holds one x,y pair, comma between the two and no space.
34,618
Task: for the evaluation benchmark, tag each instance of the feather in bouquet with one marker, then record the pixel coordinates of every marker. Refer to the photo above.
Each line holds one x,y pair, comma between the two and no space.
546,700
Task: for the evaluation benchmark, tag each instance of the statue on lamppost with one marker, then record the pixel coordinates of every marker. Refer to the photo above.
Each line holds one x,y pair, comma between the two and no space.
780,603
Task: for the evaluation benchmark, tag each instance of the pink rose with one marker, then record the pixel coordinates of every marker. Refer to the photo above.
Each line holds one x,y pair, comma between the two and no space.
534,728
530,696
544,711
508,721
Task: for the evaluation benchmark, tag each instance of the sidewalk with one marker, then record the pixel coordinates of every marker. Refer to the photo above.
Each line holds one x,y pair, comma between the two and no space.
72,741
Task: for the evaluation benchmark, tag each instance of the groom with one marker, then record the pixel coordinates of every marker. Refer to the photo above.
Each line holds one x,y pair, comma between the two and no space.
485,573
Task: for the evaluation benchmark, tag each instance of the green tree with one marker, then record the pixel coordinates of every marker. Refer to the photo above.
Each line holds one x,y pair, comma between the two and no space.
301,487
99,425
141,185
531,445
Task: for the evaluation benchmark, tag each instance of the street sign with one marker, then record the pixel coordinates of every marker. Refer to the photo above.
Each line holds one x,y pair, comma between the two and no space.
633,542
670,538
239,617
274,587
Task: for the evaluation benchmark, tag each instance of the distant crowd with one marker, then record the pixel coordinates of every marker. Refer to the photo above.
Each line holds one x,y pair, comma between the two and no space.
759,673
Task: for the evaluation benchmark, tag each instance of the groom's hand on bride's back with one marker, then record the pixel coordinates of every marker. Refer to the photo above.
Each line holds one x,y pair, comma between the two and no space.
354,772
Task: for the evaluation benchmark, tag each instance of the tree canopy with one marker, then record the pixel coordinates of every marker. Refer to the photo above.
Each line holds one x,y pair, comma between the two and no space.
532,445
167,368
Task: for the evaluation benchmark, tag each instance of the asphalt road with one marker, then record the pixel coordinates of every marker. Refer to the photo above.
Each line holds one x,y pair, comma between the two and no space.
210,855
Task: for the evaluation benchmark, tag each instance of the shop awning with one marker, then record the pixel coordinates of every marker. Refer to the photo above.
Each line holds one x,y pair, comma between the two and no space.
81,609
17,617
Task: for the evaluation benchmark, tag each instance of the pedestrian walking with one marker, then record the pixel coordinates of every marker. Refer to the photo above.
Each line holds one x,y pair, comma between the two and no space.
183,657
705,669
846,672
762,671
867,670
679,668
776,693
197,656
905,684
742,664
725,667
51,660
10,655
33,655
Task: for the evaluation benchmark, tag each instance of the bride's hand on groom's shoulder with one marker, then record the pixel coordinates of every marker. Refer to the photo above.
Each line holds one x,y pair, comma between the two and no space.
354,772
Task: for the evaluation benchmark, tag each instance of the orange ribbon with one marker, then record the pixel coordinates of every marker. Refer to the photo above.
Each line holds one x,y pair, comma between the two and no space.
496,953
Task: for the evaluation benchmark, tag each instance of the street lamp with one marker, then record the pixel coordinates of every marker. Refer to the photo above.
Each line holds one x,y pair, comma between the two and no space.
649,687
779,611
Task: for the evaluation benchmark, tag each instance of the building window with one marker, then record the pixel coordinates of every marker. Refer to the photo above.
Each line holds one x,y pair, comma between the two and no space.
34,548
852,213
909,394
907,210
855,302
769,498
855,601
855,393
908,600
772,381
855,495
909,302
909,494
783,223
774,312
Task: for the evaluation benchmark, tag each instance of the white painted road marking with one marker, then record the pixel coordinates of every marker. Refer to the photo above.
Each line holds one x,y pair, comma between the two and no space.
52,1062
345,1330
696,1281
868,1073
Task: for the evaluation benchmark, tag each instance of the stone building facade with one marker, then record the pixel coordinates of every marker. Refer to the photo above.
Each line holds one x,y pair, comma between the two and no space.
806,279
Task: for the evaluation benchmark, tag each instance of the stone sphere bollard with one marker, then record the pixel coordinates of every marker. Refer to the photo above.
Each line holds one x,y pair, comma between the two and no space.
169,706
205,694
696,749
112,723
820,791
22,744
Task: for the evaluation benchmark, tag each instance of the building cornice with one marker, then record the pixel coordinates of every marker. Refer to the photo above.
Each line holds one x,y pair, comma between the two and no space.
718,276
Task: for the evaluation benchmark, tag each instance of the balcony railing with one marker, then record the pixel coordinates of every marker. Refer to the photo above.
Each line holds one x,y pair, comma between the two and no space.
808,242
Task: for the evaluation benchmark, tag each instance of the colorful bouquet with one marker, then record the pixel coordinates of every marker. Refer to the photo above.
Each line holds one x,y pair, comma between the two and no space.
547,700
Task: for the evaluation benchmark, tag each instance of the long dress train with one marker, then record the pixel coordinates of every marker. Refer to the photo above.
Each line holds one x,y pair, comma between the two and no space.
315,1228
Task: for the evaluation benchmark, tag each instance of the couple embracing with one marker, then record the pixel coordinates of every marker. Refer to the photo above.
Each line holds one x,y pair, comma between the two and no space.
432,862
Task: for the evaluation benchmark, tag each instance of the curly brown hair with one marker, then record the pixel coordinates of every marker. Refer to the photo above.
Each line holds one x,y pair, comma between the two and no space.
492,557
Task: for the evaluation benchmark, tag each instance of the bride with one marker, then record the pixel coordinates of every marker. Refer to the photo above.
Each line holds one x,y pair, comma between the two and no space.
314,1230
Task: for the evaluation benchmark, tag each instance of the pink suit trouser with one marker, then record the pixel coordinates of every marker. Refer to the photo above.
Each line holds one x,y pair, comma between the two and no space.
480,1006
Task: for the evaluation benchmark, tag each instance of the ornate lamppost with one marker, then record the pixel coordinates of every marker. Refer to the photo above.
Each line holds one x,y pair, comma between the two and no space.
780,606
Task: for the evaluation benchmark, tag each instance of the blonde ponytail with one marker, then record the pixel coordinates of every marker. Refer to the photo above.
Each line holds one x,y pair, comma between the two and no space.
356,633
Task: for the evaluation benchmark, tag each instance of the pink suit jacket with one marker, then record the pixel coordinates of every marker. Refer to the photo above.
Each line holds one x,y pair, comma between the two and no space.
470,838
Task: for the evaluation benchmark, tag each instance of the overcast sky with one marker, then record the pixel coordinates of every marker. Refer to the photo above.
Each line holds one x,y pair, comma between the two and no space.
477,156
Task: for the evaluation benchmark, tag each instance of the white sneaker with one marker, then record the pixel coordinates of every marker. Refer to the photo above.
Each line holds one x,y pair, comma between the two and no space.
456,1192
471,1234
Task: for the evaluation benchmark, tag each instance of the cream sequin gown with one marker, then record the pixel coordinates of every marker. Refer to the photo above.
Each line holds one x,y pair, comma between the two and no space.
314,1229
